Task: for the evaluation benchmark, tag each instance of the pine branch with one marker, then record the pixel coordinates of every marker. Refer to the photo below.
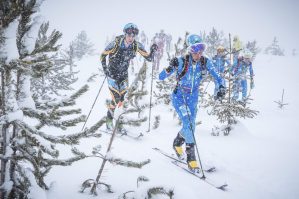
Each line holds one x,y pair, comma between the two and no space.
126,163
159,190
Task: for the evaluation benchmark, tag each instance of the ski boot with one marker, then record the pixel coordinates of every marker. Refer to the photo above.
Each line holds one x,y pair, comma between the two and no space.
109,124
109,121
177,146
191,159
121,130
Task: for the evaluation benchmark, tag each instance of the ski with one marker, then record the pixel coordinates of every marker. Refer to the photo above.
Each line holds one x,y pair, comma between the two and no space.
203,178
209,170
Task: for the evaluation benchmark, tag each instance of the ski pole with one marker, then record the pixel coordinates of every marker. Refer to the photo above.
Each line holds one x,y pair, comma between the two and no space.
191,127
94,103
150,110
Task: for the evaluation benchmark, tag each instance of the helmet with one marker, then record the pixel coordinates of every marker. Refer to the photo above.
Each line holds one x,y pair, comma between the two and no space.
192,39
131,28
220,49
195,44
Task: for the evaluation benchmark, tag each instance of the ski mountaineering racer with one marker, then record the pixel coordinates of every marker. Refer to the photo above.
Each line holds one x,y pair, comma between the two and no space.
188,70
120,52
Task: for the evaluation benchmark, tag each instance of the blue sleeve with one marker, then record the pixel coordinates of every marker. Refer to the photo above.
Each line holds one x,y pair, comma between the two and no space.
251,70
166,72
213,72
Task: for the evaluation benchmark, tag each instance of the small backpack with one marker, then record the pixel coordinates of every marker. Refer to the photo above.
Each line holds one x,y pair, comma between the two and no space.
203,66
118,40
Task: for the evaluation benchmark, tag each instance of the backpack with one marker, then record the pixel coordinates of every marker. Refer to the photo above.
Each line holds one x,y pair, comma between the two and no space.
203,66
118,40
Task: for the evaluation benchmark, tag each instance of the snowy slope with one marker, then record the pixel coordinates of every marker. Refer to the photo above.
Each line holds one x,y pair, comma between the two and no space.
258,159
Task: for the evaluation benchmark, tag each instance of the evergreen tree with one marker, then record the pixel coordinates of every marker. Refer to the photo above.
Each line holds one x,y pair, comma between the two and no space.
27,152
252,47
274,48
294,52
213,40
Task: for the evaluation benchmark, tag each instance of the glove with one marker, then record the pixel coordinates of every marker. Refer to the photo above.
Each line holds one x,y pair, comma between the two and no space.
174,62
251,83
154,48
221,92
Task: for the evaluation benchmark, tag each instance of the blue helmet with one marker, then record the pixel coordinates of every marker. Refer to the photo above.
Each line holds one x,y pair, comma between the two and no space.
193,39
195,44
131,28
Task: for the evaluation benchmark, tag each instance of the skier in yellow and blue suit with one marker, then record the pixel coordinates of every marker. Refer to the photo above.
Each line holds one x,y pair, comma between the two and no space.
120,52
188,71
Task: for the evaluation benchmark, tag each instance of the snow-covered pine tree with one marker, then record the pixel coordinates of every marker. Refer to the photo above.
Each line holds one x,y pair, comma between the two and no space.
52,77
27,153
252,47
227,113
136,100
213,40
226,110
294,52
274,48
79,47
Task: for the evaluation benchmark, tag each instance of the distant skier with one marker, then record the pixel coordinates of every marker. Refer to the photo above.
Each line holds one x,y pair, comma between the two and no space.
221,64
239,73
168,42
236,48
120,52
143,38
188,71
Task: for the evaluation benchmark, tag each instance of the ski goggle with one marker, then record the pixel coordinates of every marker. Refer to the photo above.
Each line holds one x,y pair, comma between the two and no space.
130,31
195,48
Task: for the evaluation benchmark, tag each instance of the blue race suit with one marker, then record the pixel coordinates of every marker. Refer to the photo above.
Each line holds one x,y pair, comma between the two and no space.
219,63
185,95
239,71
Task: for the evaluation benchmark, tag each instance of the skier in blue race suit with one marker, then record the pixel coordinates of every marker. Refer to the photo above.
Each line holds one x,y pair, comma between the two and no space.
220,64
188,71
239,72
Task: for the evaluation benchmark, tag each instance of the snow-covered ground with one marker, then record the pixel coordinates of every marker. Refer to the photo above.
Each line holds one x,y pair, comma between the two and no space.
259,159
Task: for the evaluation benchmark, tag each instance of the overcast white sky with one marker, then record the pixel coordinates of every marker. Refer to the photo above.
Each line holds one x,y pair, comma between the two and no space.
250,19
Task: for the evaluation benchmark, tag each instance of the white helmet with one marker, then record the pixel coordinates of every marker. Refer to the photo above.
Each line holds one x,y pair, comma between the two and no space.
247,54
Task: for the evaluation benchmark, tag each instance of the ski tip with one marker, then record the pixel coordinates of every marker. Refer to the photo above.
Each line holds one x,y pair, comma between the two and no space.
210,170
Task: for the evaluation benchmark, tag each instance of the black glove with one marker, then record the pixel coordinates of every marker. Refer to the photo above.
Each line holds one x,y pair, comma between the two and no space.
174,62
221,92
154,48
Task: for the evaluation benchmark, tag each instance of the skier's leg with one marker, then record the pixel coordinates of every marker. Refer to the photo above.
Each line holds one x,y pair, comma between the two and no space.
111,104
123,87
186,111
177,145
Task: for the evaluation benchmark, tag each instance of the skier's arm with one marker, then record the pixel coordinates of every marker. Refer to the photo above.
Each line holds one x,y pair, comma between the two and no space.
251,71
141,50
213,72
109,49
173,65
